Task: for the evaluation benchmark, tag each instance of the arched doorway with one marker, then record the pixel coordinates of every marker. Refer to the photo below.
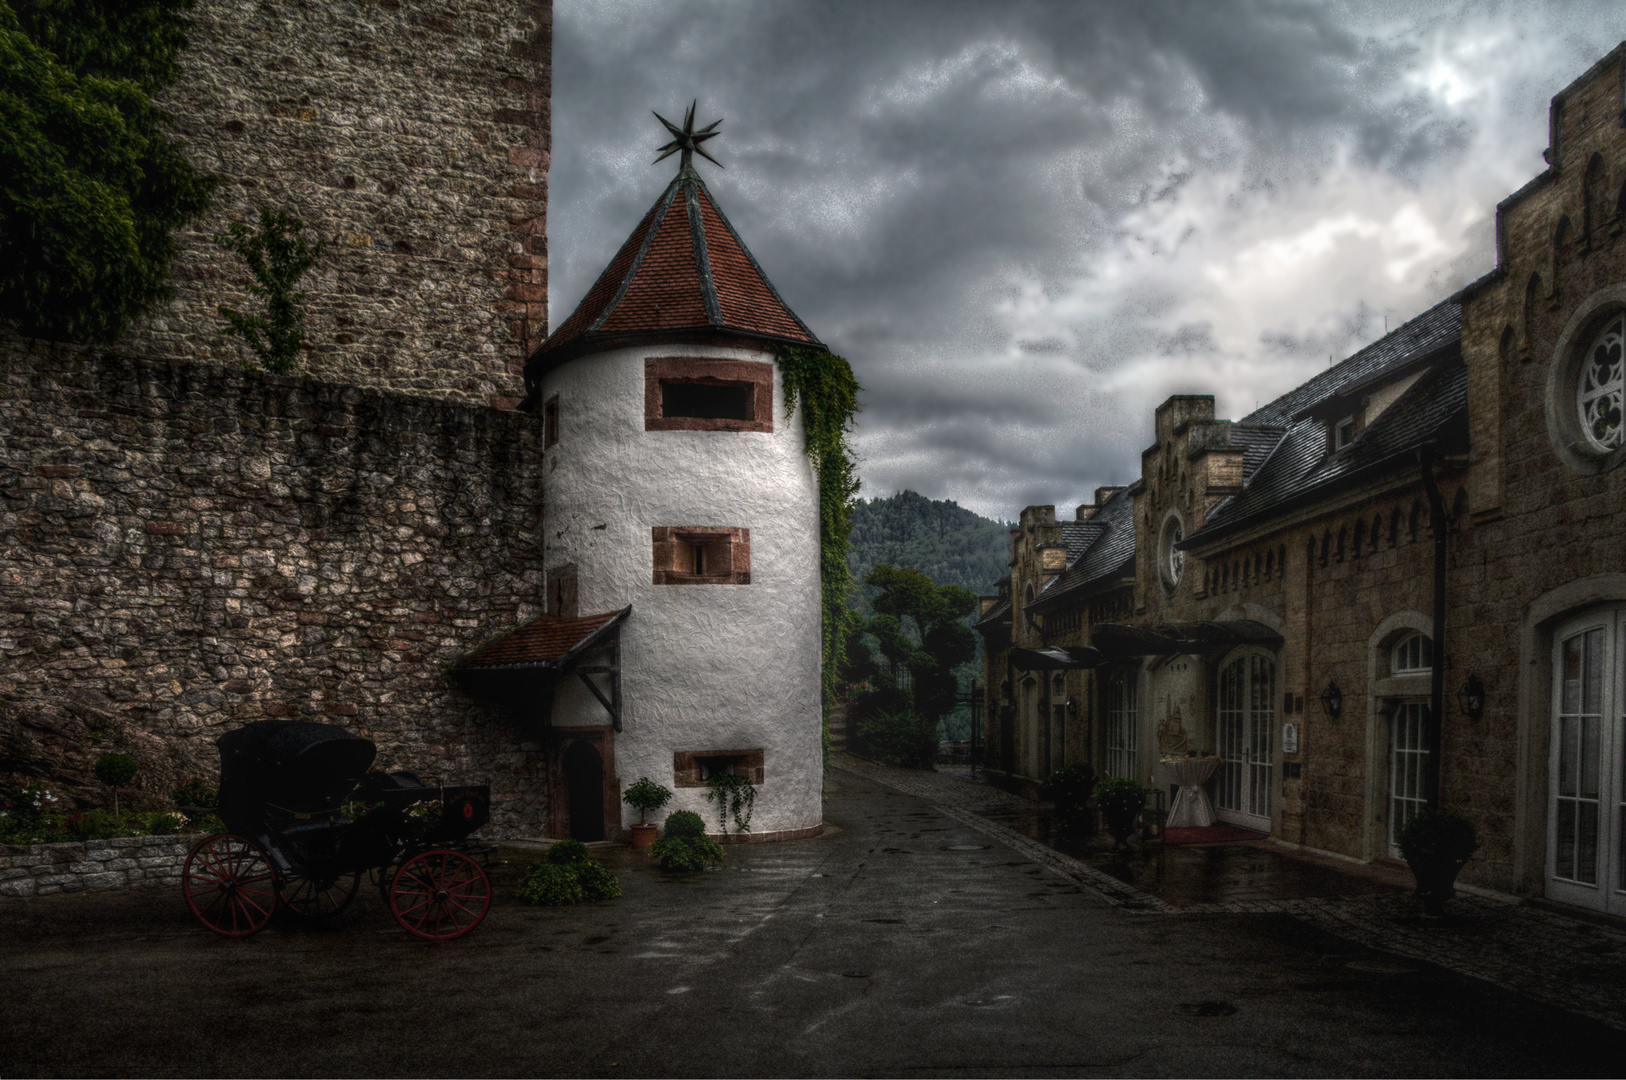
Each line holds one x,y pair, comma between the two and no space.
584,780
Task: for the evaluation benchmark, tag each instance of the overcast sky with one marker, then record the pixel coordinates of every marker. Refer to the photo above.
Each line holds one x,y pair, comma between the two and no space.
1026,224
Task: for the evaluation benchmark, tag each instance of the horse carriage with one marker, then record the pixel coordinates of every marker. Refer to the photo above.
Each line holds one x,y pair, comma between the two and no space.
307,820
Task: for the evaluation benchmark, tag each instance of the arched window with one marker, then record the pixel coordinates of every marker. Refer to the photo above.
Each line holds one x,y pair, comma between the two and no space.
1412,655
1377,530
1343,538
1358,544
1600,384
1245,734
1505,349
1596,200
1394,527
1532,295
1270,565
1122,757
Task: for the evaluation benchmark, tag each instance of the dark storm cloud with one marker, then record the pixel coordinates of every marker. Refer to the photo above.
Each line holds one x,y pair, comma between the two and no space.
972,201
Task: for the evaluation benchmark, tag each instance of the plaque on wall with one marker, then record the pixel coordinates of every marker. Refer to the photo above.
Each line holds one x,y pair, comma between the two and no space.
1290,738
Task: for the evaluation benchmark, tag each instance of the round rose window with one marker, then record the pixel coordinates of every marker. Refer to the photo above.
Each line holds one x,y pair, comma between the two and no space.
1598,390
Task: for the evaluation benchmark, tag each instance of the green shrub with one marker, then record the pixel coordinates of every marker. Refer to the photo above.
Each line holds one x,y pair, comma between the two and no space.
1120,795
1437,834
567,851
101,825
115,769
686,853
548,884
597,883
685,823
1069,787
165,822
195,793
897,738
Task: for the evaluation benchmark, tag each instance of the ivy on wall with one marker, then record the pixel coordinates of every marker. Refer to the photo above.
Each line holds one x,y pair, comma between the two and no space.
822,384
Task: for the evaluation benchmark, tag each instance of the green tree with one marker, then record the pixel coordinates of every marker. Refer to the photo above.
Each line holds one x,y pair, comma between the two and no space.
921,626
91,190
278,255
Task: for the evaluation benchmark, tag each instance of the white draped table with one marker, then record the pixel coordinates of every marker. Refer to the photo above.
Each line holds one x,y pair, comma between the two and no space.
1191,805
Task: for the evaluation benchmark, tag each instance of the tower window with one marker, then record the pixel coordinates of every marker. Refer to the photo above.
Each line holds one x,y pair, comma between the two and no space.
683,394
702,556
550,422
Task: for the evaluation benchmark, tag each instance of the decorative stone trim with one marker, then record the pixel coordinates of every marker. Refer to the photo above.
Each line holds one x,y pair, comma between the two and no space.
680,369
686,765
125,862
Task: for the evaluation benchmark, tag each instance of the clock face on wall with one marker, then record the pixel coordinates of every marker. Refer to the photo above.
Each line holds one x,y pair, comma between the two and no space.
1171,560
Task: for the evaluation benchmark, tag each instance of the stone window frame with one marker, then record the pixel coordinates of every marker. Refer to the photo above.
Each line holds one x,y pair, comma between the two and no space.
1570,443
756,374
671,543
686,765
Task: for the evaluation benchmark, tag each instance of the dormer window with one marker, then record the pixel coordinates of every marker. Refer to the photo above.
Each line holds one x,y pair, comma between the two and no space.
1343,433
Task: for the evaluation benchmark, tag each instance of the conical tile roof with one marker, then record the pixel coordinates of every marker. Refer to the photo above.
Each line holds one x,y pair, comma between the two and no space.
683,275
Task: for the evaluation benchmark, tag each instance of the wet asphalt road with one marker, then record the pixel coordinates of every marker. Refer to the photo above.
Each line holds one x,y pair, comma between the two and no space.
900,944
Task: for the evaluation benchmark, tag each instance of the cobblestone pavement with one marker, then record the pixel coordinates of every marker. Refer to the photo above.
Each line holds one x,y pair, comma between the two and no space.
1547,956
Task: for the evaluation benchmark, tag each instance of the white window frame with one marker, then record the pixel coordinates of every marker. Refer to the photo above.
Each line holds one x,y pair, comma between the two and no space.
1412,655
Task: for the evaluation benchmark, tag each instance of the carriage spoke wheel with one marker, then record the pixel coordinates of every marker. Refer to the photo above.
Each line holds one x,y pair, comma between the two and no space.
439,895
318,897
228,884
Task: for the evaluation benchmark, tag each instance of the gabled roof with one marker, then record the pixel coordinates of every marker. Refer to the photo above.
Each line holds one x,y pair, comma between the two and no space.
683,275
546,641
1106,559
1299,467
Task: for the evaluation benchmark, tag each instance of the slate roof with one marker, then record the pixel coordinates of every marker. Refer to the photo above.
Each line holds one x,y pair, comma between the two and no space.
1298,467
543,641
683,274
1110,552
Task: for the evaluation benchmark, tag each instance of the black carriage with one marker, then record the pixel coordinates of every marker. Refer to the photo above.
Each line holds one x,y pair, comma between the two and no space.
307,820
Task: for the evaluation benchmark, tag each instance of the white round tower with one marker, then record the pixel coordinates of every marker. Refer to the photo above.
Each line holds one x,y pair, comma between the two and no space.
681,522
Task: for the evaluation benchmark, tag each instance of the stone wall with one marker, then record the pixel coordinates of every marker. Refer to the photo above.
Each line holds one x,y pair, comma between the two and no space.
93,866
198,546
412,136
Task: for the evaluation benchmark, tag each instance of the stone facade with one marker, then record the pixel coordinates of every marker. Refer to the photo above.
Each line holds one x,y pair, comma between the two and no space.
198,546
1529,519
93,866
414,138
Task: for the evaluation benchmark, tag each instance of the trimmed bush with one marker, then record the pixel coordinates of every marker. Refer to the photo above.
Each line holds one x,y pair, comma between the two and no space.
1069,787
597,883
897,738
548,884
1437,834
685,823
682,854
567,851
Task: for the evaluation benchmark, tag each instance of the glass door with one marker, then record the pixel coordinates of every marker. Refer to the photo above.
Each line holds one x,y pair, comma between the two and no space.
1586,810
1245,730
1408,761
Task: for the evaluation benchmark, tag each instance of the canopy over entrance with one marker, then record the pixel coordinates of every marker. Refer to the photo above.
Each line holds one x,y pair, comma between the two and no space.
526,664
1056,658
1122,641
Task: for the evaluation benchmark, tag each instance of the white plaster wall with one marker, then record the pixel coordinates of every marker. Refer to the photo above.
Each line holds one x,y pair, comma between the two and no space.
704,667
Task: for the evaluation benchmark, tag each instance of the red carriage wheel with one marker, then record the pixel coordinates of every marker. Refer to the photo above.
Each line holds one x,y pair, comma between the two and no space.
228,884
439,895
318,898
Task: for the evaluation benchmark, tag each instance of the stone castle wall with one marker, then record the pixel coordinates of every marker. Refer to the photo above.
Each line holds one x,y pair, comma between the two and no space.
414,137
193,547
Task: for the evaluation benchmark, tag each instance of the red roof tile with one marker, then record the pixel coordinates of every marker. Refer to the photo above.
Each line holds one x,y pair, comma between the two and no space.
683,271
540,641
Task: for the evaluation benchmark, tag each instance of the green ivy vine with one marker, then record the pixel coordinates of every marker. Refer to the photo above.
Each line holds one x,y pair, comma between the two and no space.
822,384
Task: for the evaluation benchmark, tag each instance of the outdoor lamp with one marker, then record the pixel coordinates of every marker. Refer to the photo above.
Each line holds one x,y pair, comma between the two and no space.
1332,700
1472,698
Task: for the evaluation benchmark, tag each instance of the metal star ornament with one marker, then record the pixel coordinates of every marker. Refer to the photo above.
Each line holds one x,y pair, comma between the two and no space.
687,139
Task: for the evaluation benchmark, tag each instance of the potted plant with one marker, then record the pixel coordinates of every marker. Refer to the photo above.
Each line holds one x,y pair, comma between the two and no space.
1436,845
1120,802
645,796
1069,787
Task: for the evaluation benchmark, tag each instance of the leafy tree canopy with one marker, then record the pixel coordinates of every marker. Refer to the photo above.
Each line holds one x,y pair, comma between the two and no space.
939,640
90,188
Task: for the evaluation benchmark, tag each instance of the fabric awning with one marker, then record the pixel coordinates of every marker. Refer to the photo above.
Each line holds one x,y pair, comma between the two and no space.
1056,658
1122,641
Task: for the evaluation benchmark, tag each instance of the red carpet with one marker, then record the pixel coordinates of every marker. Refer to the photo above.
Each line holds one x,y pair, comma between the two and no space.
1209,834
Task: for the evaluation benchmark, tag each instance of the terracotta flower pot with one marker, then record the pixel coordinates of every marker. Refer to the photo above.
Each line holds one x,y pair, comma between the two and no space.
643,836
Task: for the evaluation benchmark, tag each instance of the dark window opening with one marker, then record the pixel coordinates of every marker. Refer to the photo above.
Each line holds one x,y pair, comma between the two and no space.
708,401
550,421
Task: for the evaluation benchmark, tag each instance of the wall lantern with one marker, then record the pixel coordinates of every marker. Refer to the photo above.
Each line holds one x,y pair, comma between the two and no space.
1332,700
1472,698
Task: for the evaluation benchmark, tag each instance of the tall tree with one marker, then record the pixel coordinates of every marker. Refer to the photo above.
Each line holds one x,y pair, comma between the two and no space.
91,190
940,639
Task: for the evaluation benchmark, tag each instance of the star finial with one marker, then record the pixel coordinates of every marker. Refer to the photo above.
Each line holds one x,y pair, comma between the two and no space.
687,139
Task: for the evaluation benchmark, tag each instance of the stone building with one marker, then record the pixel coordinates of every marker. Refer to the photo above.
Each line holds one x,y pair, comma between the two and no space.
1401,583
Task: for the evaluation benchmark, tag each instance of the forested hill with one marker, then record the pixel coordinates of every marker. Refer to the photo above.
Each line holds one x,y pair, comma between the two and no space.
943,540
